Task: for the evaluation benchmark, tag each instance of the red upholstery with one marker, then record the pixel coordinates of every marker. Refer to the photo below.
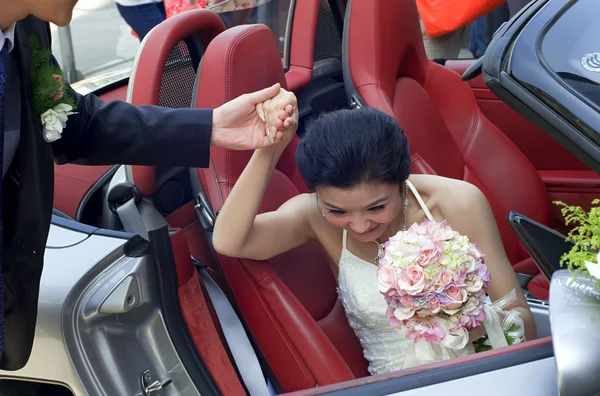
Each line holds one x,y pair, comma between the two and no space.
289,303
145,84
72,183
302,45
543,151
448,134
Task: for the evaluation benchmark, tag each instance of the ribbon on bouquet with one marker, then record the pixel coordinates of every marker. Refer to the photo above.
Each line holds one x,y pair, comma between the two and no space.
423,352
512,325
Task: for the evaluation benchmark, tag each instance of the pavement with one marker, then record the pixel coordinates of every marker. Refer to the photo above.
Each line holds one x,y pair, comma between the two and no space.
102,41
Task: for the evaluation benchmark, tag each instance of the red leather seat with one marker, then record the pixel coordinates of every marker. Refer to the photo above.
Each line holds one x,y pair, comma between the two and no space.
289,303
164,72
386,67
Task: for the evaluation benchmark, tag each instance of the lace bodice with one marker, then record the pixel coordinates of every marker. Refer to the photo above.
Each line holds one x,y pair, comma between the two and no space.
384,347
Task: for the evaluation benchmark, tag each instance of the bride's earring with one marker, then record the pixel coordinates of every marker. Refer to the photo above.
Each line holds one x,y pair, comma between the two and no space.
319,206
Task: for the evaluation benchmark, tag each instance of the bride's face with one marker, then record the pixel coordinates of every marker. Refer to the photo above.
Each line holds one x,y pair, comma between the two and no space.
364,210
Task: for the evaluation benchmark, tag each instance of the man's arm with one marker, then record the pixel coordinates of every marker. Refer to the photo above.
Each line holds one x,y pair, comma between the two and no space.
105,133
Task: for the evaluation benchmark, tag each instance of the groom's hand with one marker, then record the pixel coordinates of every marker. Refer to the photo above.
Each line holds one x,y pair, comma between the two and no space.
238,126
280,112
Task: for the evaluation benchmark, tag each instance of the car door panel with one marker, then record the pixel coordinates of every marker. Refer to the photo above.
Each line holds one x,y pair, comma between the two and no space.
574,187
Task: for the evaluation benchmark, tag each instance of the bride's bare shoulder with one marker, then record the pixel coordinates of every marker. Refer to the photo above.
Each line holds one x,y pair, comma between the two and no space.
452,197
305,206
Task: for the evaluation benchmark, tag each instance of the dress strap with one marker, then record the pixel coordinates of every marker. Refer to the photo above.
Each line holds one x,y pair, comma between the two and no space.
344,237
420,200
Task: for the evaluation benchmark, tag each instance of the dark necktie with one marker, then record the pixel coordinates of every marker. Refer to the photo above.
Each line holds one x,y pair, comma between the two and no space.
3,81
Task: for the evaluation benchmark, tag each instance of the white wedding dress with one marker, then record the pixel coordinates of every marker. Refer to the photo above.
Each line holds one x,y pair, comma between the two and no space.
385,348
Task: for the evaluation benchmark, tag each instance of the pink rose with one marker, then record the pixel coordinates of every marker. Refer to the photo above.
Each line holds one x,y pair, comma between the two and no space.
430,254
412,279
387,278
443,279
455,297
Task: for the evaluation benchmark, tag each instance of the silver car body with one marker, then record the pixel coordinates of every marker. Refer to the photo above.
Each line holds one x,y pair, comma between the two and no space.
100,326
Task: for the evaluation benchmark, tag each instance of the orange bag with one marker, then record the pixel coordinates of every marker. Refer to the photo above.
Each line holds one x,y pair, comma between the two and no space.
444,16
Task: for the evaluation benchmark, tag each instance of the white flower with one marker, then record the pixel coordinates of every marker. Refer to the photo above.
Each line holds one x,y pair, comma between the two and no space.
594,268
55,120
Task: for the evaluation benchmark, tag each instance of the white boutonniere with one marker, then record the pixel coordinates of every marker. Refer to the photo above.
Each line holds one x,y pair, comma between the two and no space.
52,105
55,120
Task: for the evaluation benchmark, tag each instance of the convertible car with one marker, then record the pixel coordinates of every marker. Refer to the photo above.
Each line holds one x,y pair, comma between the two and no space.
133,299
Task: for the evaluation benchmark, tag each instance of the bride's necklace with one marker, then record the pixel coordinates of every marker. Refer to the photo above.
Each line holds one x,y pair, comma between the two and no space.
381,246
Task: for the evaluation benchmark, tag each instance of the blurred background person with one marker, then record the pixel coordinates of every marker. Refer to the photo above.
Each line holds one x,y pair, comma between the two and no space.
142,15
443,47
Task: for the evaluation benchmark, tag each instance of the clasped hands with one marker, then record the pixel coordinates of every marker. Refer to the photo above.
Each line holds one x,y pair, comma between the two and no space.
256,120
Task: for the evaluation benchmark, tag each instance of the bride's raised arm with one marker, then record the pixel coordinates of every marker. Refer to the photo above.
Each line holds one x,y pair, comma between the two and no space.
239,231
470,214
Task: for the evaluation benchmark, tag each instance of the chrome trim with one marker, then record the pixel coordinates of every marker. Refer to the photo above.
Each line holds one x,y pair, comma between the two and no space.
288,36
93,84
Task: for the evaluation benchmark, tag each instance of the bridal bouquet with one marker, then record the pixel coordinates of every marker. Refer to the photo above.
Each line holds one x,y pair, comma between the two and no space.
435,282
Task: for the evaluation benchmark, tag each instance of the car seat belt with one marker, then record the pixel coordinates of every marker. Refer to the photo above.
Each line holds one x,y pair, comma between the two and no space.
143,217
235,334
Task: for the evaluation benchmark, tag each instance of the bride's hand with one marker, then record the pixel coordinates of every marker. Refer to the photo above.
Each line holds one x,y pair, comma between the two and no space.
280,112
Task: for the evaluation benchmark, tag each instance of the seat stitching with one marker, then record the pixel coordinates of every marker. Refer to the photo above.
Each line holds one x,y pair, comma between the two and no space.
228,82
474,124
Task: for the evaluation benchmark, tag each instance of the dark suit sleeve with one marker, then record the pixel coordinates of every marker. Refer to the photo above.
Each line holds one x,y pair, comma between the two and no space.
106,133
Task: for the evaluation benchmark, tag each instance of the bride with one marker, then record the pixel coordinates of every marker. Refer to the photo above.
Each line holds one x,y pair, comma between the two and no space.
358,163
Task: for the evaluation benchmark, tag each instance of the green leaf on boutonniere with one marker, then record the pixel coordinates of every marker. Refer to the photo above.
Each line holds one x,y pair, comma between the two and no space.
46,79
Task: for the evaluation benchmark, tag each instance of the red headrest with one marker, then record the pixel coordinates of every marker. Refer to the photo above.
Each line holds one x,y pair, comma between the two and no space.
384,42
243,59
146,77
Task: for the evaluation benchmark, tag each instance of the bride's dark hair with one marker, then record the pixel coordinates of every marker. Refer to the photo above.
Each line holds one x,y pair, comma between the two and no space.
347,147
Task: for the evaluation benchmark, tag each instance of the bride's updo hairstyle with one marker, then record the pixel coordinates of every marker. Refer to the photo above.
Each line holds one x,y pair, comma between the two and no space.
345,148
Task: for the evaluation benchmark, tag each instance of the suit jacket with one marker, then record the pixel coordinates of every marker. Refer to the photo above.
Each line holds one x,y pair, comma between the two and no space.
101,133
